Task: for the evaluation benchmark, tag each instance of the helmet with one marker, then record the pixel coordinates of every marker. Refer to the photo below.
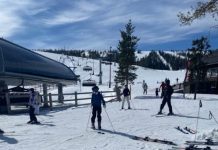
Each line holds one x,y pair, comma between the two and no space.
167,81
95,88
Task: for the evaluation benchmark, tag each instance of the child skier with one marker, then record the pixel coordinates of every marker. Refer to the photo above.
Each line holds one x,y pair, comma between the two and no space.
126,94
145,87
162,86
96,101
32,102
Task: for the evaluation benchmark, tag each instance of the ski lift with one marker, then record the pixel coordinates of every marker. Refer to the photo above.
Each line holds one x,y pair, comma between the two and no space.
89,82
87,68
106,62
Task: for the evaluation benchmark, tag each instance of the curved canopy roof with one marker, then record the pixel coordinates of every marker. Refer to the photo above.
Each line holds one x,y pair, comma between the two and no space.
19,63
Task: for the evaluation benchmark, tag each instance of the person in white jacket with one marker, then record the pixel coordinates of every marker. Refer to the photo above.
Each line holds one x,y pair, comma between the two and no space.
32,102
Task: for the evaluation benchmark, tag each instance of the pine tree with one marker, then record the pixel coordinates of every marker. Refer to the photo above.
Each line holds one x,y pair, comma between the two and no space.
195,54
202,8
127,59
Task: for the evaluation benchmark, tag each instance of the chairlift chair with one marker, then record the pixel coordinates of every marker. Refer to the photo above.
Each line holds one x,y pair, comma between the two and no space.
89,82
87,68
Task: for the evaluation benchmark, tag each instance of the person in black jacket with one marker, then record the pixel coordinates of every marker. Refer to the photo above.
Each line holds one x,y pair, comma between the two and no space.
96,101
126,94
167,92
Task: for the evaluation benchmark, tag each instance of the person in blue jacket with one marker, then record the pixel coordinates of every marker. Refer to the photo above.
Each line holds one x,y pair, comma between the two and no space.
96,101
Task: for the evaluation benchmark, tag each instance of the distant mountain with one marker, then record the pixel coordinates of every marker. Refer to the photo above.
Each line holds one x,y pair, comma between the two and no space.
163,60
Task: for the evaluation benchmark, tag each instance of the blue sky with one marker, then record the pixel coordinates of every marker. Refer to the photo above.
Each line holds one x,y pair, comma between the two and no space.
96,24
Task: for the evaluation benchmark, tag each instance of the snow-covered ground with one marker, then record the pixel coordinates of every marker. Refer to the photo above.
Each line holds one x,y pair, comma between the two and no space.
69,128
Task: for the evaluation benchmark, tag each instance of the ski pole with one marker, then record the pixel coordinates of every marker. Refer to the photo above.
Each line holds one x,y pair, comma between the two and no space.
212,116
89,118
109,120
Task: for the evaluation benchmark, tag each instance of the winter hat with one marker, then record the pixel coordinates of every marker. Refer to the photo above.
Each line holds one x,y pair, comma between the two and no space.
168,81
32,89
95,88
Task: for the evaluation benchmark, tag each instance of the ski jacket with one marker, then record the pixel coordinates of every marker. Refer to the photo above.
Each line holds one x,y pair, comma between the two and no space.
126,92
34,99
168,91
162,86
144,86
97,99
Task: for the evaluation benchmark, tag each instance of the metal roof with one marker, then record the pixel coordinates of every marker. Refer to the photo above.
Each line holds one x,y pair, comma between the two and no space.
18,63
211,60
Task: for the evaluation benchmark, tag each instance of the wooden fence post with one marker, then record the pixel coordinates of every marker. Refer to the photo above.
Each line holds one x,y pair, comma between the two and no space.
76,101
45,96
8,103
50,101
60,93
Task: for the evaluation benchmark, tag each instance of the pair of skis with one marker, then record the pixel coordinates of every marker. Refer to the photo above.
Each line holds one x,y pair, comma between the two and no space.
186,130
99,131
148,139
191,147
207,142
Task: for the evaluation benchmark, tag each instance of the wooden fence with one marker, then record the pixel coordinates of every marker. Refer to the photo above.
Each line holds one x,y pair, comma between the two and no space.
69,99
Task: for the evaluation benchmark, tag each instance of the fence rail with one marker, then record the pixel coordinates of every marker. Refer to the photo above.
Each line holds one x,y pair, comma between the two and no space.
75,99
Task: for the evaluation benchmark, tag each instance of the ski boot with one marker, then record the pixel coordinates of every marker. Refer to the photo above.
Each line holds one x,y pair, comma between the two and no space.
29,122
170,114
93,126
35,122
159,113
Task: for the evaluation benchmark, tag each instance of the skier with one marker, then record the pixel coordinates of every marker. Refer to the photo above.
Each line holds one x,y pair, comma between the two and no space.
145,87
96,101
168,91
162,86
32,103
126,94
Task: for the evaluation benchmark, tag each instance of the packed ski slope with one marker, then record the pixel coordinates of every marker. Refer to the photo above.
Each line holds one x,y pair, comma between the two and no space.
69,128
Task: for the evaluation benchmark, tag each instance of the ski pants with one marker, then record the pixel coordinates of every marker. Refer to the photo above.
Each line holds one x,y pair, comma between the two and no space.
32,114
145,91
168,101
126,98
96,111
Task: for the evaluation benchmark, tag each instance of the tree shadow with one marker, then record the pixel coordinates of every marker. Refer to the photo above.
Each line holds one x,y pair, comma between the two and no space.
119,133
154,97
140,109
186,116
46,124
146,97
8,140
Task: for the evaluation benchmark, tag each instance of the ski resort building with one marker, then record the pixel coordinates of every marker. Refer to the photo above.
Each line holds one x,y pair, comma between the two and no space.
210,83
21,67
